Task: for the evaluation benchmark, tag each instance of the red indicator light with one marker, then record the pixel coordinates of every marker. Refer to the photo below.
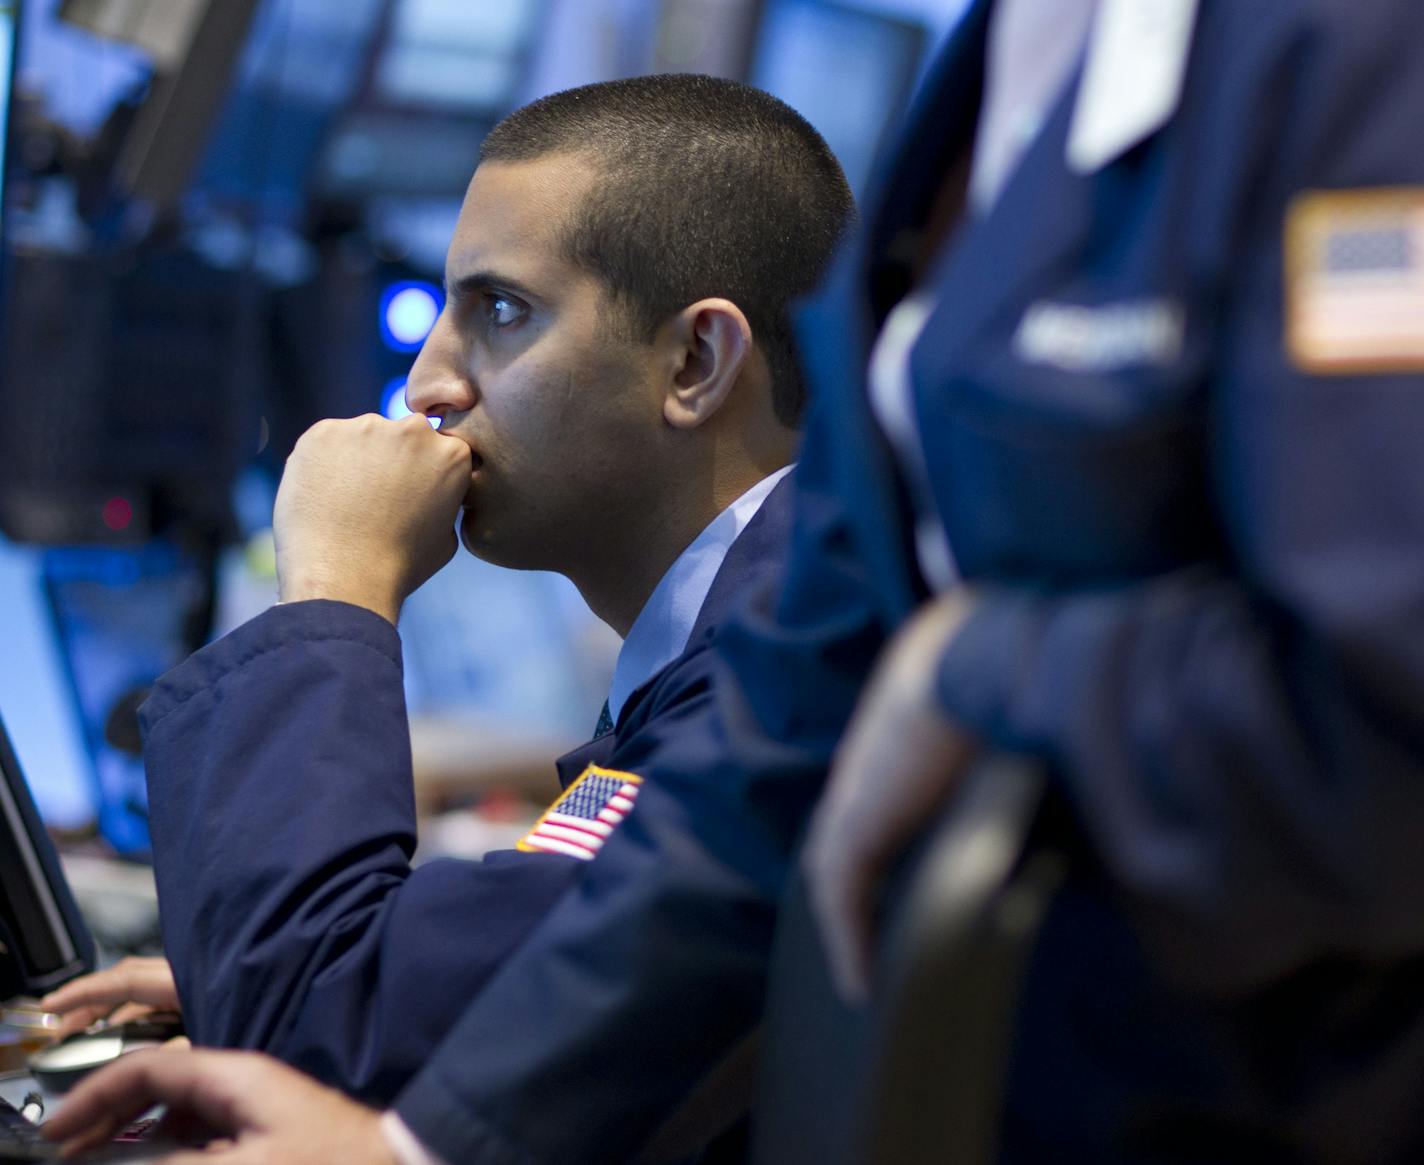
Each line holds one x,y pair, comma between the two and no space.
118,513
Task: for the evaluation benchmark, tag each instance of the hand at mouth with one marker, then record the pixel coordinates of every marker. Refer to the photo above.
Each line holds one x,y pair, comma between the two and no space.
475,459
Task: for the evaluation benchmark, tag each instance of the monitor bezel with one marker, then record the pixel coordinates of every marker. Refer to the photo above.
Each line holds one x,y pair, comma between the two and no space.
46,939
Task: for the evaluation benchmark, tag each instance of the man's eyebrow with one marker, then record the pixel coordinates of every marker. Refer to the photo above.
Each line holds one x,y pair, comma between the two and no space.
478,281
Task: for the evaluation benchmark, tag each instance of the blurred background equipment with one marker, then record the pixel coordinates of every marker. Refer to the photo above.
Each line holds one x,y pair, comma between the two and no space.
224,220
192,46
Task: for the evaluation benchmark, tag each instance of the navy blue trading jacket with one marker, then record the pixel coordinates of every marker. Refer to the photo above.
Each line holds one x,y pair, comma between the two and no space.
1200,571
283,822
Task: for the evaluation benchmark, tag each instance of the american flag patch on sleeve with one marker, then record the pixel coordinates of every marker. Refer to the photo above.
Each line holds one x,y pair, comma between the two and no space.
1355,281
585,816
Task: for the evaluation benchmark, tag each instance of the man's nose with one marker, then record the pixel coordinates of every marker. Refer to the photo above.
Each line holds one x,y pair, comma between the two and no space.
439,384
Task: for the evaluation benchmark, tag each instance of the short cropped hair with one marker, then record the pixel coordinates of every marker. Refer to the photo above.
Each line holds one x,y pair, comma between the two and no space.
711,188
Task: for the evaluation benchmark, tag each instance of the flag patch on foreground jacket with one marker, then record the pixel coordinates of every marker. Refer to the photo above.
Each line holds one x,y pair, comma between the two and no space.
581,820
1355,281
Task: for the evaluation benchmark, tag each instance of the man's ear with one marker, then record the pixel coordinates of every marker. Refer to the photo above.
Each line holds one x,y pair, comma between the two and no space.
712,341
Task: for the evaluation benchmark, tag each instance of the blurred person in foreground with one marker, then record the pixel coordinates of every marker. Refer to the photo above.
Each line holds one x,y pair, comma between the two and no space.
1114,441
1149,376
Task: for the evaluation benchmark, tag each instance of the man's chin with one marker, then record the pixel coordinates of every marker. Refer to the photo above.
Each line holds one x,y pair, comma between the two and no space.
484,543
472,537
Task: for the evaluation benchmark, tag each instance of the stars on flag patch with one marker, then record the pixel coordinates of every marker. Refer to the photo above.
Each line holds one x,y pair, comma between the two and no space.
585,816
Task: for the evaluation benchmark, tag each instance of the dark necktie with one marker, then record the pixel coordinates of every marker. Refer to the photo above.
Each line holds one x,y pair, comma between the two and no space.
605,722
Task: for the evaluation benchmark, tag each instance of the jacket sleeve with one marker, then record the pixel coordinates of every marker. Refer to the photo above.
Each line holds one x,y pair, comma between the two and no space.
1245,744
283,822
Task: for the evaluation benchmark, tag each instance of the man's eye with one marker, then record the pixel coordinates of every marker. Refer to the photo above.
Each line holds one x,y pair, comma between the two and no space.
503,311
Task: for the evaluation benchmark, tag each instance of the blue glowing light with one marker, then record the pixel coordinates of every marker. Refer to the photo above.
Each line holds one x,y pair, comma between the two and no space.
408,312
393,404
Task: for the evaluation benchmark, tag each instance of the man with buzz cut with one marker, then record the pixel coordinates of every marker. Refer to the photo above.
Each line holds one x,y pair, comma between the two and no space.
618,399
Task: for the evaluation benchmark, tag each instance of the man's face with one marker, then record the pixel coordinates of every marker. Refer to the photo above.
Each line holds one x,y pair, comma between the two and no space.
529,364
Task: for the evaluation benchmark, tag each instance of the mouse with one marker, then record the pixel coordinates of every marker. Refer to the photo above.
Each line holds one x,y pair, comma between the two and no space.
63,1064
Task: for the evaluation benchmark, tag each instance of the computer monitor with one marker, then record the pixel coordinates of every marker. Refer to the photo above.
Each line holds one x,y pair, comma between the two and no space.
43,939
132,356
848,72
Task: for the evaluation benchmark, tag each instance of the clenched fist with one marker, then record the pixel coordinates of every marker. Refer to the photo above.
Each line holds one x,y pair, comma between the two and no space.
366,510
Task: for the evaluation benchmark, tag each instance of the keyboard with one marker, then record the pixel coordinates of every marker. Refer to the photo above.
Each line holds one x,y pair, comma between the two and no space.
20,1140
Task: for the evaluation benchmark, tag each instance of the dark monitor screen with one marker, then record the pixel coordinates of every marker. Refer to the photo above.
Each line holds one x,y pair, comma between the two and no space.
43,939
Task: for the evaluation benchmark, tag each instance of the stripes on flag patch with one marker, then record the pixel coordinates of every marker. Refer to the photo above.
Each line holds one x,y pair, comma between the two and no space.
1355,281
585,816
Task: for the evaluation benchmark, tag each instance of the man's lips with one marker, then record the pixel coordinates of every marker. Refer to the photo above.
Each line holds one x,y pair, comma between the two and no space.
475,459
476,463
